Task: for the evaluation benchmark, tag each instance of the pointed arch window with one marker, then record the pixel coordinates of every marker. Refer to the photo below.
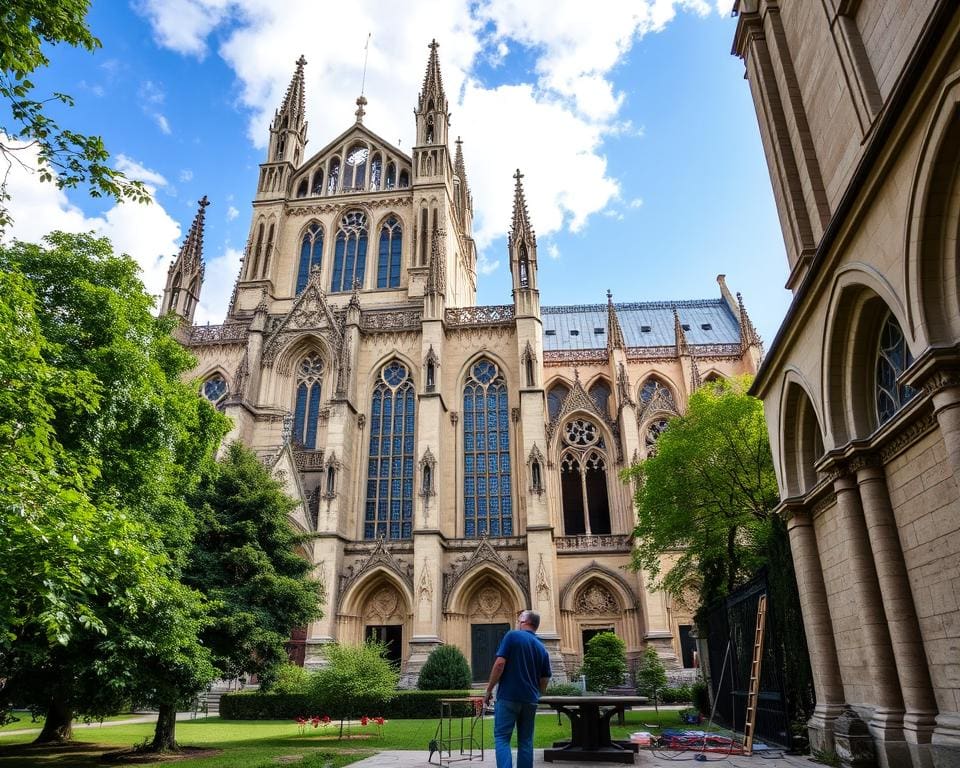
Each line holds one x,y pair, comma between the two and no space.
600,394
388,263
893,358
214,388
333,176
355,171
404,180
311,255
487,486
391,175
306,412
654,429
350,252
655,390
257,250
376,172
583,479
317,187
302,188
389,504
524,267
555,397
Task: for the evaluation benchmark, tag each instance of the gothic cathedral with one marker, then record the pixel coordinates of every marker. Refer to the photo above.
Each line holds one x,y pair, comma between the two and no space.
454,463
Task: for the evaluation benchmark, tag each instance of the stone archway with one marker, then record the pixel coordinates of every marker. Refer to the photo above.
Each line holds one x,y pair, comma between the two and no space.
378,610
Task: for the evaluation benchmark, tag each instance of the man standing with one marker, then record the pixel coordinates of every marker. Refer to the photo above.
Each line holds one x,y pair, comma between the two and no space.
522,669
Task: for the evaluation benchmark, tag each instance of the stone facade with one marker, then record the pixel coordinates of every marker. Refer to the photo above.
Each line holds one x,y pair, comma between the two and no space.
858,110
454,463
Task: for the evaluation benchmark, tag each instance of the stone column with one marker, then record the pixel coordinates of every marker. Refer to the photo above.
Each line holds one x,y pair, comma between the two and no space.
902,623
827,683
886,724
944,388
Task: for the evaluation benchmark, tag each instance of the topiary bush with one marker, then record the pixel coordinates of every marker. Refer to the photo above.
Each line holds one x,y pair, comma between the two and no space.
291,678
604,663
651,676
358,680
445,669
274,706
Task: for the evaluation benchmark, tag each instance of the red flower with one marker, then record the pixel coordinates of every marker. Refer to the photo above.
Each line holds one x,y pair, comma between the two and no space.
326,719
379,720
364,720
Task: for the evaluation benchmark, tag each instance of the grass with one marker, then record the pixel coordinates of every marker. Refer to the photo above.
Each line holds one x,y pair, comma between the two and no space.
26,721
256,743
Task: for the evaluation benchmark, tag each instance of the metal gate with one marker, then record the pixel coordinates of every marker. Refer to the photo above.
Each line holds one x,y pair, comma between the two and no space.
733,621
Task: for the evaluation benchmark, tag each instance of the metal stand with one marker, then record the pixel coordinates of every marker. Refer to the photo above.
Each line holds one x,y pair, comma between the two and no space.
463,718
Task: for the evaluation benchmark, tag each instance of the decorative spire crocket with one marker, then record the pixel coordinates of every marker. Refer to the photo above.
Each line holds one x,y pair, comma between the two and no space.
614,331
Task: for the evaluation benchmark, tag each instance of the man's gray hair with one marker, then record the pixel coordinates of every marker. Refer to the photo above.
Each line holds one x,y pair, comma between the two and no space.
530,617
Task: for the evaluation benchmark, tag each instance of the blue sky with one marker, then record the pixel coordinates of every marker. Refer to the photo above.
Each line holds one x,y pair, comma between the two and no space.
632,122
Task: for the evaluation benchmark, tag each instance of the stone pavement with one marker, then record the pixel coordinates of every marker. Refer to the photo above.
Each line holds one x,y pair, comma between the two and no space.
659,758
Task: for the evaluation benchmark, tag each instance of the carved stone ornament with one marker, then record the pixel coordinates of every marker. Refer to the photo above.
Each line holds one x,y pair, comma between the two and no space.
383,603
624,390
454,417
479,315
487,603
577,399
241,376
310,311
595,599
908,435
379,557
515,414
485,553
536,457
425,587
428,474
940,380
661,402
543,584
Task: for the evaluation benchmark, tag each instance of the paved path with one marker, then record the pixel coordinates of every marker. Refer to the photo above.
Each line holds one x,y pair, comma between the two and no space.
660,759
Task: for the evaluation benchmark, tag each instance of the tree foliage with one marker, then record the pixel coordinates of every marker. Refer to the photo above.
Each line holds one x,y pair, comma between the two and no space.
100,448
604,662
358,677
706,498
67,157
445,669
651,675
244,560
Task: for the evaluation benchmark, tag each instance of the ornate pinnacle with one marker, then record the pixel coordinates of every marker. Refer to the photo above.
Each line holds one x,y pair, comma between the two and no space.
191,252
521,218
681,336
458,165
432,82
361,103
615,338
293,101
748,334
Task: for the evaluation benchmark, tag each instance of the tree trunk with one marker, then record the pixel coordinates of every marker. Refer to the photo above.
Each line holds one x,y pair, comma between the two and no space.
58,726
165,735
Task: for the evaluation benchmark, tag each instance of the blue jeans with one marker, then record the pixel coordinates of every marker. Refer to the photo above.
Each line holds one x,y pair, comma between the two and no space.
506,715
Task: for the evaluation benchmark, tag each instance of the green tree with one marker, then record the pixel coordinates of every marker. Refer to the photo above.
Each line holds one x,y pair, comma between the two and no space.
445,669
357,680
244,560
604,662
706,498
651,676
136,439
69,158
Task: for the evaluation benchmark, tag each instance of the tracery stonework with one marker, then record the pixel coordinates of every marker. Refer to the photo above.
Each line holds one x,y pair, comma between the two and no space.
487,602
596,599
383,603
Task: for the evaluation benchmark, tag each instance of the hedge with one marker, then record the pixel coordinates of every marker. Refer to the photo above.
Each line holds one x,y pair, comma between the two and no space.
406,705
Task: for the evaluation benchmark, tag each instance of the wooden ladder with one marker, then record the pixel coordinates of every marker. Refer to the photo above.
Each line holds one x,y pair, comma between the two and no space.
751,719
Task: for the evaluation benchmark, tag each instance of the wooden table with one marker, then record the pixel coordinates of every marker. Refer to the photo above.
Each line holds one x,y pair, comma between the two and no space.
590,728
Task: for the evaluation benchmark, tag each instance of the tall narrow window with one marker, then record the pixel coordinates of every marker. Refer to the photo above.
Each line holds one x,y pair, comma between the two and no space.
350,253
317,187
487,489
583,479
255,258
306,412
600,394
333,176
388,263
555,397
389,504
391,175
524,267
893,358
655,390
376,172
267,254
404,180
354,174
311,255
302,188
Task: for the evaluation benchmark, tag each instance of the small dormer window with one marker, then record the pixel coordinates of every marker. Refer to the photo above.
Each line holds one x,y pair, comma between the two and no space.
706,326
574,332
551,332
598,331
685,326
645,329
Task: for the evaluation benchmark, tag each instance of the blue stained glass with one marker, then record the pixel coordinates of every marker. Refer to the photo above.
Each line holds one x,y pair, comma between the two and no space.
397,445
371,511
395,486
494,485
481,462
304,271
507,527
468,441
507,506
481,507
407,509
482,526
408,444
504,441
408,468
313,415
482,485
382,506
384,468
299,414
387,410
371,488
491,441
468,463
368,531
506,484
348,264
406,531
376,403
337,283
469,506
505,464
384,486
361,257
407,488
373,448
494,526
394,530
395,510
470,485
494,505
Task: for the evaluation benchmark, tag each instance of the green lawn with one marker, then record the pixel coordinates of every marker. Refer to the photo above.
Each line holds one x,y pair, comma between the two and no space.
27,722
256,743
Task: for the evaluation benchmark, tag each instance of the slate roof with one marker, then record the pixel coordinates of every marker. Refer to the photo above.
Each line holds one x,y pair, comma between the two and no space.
576,326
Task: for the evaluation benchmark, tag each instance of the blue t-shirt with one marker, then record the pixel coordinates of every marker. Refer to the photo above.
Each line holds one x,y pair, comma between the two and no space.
527,662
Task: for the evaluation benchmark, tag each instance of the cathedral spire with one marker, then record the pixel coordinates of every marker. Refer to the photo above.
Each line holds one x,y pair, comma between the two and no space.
288,131
433,120
614,331
185,276
748,334
521,228
522,243
459,167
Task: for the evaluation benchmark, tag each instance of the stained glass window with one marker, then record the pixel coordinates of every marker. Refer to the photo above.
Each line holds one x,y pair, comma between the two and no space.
583,479
350,253
654,430
389,501
487,483
214,388
555,397
311,254
388,263
306,411
893,358
652,389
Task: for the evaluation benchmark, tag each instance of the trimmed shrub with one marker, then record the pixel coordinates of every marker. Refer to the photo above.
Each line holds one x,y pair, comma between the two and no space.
445,669
651,676
291,678
563,689
604,663
406,705
680,694
358,680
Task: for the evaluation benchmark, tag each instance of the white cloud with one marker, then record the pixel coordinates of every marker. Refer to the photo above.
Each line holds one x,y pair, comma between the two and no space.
161,122
146,232
485,266
552,251
135,171
637,202
552,123
232,213
186,175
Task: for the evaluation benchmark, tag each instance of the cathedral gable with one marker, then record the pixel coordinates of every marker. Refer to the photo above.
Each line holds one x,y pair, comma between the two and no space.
310,312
